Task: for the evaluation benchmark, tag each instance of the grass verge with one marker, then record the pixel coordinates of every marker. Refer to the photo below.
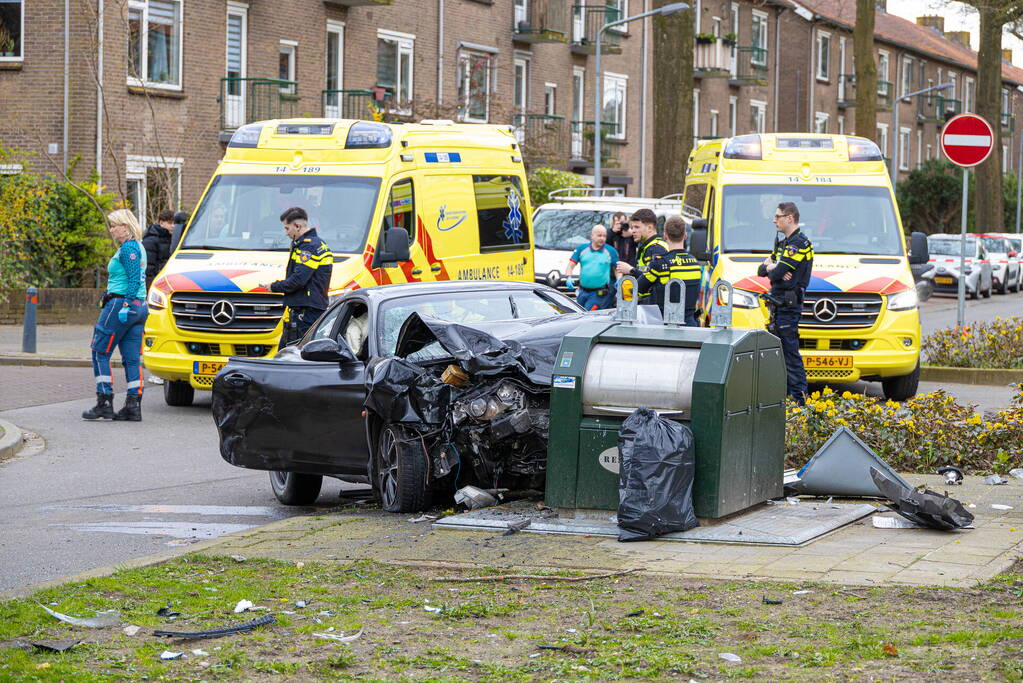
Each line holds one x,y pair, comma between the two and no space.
640,626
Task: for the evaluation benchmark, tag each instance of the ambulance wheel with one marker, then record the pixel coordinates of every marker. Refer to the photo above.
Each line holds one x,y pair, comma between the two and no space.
399,471
178,393
293,488
902,388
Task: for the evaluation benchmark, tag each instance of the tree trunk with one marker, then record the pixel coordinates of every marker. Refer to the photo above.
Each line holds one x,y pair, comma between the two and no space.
866,70
989,200
672,99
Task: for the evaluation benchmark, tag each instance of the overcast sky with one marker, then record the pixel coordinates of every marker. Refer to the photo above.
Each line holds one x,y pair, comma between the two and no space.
958,17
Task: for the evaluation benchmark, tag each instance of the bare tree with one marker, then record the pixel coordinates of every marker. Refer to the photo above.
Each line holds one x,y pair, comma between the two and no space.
866,69
673,99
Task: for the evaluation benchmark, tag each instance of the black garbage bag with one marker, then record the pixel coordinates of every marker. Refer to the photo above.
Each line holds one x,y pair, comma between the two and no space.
926,507
657,462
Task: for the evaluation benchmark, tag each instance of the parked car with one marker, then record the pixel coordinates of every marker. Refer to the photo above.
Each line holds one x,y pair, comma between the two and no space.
1003,251
301,415
945,253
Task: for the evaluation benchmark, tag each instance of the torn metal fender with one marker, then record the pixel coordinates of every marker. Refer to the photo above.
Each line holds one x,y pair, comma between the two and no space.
400,391
926,507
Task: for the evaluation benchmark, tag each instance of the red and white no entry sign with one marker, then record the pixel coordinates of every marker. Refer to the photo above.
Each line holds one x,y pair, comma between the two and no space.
967,140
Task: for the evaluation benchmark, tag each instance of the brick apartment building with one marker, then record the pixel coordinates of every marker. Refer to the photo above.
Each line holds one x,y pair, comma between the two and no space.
155,87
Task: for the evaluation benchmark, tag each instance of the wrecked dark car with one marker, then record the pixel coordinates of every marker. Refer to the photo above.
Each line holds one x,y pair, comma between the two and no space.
412,388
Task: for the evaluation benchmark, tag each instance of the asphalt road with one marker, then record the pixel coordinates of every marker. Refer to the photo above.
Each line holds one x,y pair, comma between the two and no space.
104,493
941,310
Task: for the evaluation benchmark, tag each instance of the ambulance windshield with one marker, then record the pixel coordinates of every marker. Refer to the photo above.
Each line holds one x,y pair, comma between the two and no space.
838,219
243,211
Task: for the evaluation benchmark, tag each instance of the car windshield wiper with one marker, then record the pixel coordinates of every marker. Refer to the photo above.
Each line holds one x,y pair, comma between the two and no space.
220,247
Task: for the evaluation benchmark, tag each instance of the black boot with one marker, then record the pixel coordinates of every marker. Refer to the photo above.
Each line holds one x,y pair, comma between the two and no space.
132,410
103,410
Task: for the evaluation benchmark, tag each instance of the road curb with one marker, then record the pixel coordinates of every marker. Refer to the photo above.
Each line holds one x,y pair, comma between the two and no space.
148,560
52,362
12,440
984,376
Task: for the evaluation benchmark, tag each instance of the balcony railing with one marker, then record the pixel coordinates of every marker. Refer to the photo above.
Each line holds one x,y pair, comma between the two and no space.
543,138
353,104
357,3
256,99
587,20
582,143
542,21
948,107
926,109
884,94
846,90
750,66
713,60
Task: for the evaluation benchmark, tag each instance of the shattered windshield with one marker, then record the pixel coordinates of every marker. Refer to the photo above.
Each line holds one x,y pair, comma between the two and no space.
243,211
566,229
465,308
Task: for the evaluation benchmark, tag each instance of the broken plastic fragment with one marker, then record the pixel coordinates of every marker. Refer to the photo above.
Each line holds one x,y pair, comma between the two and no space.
474,498
424,518
200,653
301,604
923,507
167,654
803,592
238,558
792,500
342,638
768,601
887,522
1017,472
431,608
167,612
995,480
131,629
56,645
242,606
729,657
243,627
101,620
953,475
999,506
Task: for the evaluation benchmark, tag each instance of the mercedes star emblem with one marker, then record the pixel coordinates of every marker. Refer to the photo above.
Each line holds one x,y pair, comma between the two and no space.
825,310
222,312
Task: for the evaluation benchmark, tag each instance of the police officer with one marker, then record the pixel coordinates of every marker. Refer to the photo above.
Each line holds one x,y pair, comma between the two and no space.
788,268
644,232
676,263
306,278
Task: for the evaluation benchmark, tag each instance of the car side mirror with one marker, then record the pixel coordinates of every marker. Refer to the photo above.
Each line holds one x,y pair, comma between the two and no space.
328,351
180,218
1013,254
918,252
395,247
698,240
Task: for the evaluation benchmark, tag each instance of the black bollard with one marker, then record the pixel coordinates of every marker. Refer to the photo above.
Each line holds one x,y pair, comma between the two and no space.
28,336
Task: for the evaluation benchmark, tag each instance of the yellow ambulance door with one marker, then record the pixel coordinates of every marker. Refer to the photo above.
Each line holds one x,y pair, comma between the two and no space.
449,234
400,211
505,230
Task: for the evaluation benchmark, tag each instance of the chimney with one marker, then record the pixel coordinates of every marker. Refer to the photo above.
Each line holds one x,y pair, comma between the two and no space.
961,37
932,21
1007,55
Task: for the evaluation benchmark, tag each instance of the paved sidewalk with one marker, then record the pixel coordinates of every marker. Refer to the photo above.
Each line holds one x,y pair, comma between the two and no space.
858,554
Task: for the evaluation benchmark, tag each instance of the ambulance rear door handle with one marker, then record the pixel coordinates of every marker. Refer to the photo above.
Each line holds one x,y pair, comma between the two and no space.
417,271
435,267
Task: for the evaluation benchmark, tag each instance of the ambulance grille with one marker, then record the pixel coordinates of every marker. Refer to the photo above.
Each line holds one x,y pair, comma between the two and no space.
850,309
817,374
230,312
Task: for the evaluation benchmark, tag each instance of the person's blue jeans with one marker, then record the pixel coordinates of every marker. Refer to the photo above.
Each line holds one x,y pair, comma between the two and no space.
786,321
110,333
592,300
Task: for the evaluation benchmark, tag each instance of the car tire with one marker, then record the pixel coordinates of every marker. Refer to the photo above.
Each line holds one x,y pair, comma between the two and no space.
400,471
178,393
902,388
294,488
1004,289
975,294
990,288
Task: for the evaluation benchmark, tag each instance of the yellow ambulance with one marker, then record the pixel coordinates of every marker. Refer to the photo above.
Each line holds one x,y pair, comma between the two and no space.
860,319
457,192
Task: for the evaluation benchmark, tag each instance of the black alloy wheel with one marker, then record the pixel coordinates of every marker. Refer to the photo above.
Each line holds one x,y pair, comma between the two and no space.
400,471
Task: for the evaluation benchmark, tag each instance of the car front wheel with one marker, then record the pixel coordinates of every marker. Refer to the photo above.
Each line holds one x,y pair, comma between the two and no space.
293,488
400,471
178,393
902,388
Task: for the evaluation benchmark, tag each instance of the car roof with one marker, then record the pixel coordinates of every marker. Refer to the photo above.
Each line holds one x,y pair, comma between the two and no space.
658,206
385,292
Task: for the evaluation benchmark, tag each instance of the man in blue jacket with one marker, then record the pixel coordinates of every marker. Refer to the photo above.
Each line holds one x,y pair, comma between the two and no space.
596,262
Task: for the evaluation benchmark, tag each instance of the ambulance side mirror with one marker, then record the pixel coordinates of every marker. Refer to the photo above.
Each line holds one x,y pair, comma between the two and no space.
395,247
698,240
180,218
918,252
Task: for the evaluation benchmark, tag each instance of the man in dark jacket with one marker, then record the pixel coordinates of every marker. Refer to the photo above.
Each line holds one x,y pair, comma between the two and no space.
157,242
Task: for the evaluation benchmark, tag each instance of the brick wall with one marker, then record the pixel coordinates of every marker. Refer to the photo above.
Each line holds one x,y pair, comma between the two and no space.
56,306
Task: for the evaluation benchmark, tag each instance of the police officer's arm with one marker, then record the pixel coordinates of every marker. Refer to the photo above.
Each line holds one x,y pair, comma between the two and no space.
303,271
651,276
790,259
653,251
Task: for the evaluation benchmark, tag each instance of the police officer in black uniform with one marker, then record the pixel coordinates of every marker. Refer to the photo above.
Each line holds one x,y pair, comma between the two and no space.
644,232
307,276
677,263
788,269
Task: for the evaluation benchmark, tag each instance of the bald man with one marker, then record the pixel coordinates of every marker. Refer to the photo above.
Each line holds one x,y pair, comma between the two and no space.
596,262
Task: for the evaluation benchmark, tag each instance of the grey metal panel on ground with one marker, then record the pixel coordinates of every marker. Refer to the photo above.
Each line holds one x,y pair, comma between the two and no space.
776,525
841,467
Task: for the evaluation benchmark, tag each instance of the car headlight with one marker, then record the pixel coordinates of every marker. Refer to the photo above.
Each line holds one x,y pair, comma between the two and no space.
156,299
743,299
903,301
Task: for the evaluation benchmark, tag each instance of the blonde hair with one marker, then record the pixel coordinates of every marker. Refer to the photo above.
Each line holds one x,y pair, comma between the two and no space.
126,217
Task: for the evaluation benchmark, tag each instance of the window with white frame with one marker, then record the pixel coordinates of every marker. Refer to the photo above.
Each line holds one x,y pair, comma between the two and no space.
334,72
758,116
153,184
713,123
394,67
841,68
919,148
286,66
906,78
617,9
969,88
929,152
951,92
904,150
882,138
820,122
759,56
1006,106
474,70
882,72
578,107
12,28
615,93
823,55
520,84
237,49
1005,158
154,43
841,125
696,113
733,115
550,99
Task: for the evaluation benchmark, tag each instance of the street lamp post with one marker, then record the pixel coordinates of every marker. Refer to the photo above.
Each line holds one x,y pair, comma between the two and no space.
599,90
898,133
